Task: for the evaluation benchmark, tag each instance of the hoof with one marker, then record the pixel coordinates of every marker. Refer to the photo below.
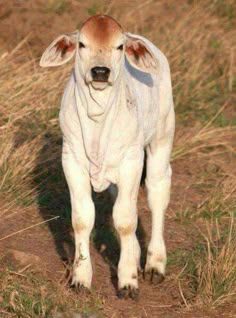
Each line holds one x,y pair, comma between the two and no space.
128,292
80,288
153,276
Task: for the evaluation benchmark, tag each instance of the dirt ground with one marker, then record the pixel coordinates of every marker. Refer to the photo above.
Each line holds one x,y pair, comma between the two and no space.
48,248
50,252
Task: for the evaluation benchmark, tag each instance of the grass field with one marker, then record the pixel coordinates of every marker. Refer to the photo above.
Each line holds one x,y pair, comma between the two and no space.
36,238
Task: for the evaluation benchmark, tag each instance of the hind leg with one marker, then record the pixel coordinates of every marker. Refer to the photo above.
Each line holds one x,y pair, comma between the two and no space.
158,182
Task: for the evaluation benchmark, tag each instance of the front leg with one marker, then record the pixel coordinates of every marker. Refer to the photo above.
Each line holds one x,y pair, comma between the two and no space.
125,221
83,215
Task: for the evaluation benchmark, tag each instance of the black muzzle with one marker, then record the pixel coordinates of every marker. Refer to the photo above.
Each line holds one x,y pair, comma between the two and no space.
100,74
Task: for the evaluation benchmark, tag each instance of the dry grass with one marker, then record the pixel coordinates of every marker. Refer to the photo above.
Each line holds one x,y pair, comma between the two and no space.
198,39
211,266
28,294
217,269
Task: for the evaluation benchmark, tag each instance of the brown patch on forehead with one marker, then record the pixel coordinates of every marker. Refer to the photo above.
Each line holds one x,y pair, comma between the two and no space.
102,30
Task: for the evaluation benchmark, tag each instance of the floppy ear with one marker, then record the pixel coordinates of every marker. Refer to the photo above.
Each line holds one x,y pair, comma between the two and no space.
60,50
140,55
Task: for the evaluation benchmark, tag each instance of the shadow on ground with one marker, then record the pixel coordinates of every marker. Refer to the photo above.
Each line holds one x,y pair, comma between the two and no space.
53,200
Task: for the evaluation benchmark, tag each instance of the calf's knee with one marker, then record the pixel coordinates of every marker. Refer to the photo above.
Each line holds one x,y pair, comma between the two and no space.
125,218
83,214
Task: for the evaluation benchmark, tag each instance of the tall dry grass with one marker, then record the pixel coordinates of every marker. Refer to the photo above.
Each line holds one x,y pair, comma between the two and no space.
211,265
216,271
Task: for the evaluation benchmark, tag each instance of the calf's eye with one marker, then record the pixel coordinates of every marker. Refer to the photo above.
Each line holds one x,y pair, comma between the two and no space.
120,47
81,45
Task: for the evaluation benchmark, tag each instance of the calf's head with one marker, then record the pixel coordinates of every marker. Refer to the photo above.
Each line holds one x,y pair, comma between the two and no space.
100,47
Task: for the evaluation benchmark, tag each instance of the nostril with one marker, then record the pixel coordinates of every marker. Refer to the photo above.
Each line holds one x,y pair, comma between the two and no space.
100,73
94,71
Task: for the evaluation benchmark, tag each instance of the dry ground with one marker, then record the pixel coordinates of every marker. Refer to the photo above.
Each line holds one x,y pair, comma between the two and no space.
36,246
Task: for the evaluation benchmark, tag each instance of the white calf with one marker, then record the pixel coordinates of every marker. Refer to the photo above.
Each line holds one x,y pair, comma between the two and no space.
118,102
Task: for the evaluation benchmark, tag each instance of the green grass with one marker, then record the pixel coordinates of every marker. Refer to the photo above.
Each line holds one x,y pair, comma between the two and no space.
25,293
58,6
93,10
214,207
